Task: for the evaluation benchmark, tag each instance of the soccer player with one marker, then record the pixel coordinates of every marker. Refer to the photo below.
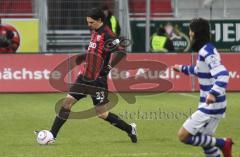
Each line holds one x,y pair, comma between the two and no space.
97,66
213,78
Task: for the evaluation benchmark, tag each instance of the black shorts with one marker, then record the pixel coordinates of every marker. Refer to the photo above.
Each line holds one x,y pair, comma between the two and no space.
97,89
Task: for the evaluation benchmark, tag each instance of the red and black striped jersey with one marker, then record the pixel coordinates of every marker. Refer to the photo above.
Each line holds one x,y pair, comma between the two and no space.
99,52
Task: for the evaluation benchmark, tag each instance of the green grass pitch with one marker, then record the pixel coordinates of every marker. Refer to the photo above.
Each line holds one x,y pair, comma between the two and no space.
158,119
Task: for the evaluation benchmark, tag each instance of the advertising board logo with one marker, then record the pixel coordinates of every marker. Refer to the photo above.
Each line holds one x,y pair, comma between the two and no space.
180,40
235,48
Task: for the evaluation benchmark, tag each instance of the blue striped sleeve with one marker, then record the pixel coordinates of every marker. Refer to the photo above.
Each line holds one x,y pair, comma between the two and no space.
215,93
189,70
221,73
221,84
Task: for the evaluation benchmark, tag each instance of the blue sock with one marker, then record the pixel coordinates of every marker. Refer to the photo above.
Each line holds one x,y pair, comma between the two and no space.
220,142
205,141
212,152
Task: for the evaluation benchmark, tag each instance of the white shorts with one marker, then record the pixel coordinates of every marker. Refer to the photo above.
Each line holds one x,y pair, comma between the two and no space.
200,122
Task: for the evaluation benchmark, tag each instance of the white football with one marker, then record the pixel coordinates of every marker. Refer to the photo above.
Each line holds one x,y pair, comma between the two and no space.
45,137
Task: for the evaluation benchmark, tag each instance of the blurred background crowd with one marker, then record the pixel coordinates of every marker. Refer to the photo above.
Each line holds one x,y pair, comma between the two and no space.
59,26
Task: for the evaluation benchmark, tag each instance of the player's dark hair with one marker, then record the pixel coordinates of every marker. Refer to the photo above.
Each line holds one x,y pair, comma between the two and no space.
96,14
201,30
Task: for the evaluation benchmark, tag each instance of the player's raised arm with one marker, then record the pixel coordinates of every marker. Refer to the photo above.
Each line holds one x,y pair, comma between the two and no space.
186,69
118,54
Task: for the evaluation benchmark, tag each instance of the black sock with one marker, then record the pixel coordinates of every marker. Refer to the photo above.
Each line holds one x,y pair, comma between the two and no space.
118,122
60,119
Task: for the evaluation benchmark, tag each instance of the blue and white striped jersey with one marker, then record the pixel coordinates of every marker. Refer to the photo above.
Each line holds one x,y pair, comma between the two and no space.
213,78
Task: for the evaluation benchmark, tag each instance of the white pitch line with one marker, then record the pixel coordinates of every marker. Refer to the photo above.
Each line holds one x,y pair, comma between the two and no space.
136,154
188,95
130,154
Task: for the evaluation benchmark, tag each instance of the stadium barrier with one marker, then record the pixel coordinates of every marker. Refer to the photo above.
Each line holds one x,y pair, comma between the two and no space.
137,73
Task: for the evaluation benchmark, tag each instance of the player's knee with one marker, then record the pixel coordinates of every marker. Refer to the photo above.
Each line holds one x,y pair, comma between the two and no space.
67,105
101,111
103,115
68,102
182,136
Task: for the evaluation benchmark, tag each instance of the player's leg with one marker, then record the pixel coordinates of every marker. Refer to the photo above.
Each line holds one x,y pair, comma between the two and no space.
199,139
66,105
190,132
210,144
210,129
116,121
63,114
100,102
112,118
212,151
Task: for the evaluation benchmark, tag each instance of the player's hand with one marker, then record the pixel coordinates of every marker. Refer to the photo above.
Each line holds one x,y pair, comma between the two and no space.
106,70
177,67
210,99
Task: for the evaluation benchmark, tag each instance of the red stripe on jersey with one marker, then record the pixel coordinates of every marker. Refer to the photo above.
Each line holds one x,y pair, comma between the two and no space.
97,56
109,31
88,72
100,56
